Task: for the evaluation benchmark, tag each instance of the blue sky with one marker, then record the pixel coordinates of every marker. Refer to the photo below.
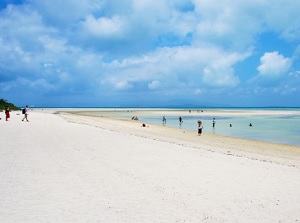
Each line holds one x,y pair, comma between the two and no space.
140,53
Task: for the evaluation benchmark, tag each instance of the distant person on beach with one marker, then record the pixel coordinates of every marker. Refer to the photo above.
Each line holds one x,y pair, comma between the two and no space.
213,122
7,115
26,109
180,120
200,127
164,120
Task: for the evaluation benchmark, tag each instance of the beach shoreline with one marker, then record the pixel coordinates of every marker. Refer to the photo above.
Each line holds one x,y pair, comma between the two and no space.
270,125
253,149
70,167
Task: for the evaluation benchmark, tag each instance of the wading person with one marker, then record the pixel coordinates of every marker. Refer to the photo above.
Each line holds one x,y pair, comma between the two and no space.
213,122
200,127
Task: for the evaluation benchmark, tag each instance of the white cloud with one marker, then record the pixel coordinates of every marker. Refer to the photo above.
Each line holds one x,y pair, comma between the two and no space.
64,13
285,24
122,85
42,83
273,65
181,67
154,85
236,23
53,45
219,78
159,10
104,27
178,46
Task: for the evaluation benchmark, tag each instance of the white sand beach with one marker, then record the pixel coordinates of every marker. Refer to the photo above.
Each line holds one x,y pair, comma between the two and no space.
62,167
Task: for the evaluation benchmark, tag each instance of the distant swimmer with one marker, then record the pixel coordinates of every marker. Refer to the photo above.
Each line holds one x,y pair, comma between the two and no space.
230,125
250,124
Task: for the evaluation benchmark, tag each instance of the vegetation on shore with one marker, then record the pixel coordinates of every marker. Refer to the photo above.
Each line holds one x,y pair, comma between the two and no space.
4,103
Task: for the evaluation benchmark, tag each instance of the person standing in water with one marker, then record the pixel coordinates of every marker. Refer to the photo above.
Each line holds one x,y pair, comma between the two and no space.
213,122
200,127
180,120
164,120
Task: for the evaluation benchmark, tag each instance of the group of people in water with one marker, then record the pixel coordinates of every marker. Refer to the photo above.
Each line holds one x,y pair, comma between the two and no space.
180,119
199,122
24,111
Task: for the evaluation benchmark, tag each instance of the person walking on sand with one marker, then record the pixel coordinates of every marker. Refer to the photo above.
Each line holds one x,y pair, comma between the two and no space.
213,122
200,127
7,115
26,109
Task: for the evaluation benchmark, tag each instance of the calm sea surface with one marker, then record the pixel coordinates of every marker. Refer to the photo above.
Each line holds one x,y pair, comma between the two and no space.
276,128
271,126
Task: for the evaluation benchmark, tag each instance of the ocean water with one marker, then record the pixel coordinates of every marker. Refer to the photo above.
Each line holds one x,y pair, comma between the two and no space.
276,125
276,128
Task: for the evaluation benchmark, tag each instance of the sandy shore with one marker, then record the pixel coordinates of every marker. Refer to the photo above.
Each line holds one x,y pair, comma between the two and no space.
185,112
70,168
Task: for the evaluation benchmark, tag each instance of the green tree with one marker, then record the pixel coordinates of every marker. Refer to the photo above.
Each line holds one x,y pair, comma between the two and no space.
4,103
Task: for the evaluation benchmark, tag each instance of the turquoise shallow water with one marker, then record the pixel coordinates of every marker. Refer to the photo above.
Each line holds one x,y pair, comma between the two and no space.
269,126
283,129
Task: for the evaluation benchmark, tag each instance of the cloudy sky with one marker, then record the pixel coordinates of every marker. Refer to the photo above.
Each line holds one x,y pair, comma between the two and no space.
150,53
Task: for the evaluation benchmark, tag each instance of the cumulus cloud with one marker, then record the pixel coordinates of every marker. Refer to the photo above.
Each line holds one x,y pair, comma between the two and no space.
104,27
65,13
121,85
178,68
183,47
154,85
235,24
219,78
273,65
